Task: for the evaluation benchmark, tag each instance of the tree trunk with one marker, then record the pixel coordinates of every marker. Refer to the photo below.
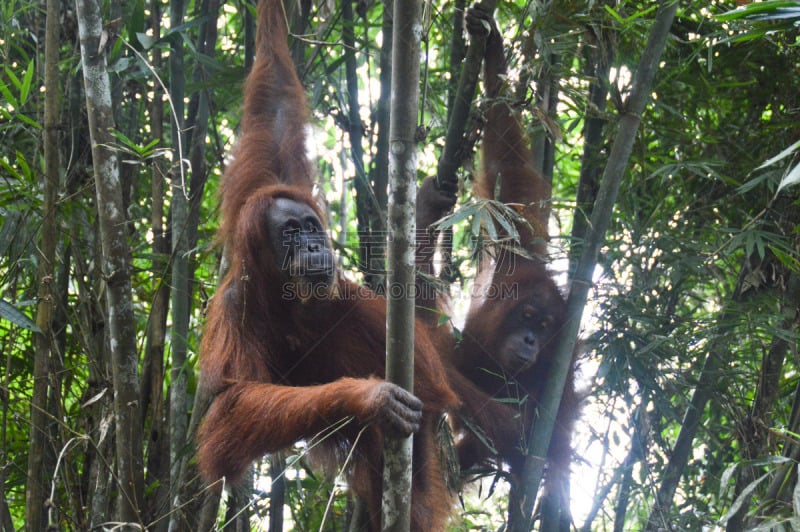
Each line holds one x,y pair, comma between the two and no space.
116,261
396,515
179,211
98,473
152,389
187,500
40,460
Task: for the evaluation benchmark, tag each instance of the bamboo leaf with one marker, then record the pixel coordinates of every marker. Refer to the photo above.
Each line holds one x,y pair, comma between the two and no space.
10,98
782,155
507,222
23,165
634,16
27,80
17,317
476,223
760,247
13,77
743,497
460,214
611,11
755,9
491,229
792,178
10,169
28,120
95,398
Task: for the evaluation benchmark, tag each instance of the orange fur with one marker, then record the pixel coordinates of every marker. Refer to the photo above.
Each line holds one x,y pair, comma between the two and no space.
285,368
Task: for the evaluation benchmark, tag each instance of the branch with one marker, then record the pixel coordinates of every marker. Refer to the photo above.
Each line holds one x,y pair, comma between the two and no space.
452,155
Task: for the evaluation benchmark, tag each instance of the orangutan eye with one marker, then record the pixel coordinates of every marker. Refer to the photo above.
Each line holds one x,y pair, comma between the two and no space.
291,226
291,232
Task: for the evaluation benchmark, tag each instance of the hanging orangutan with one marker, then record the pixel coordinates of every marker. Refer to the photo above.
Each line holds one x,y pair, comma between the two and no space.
292,350
499,364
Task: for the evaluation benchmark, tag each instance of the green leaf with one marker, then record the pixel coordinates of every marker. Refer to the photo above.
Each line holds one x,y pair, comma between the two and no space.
611,11
10,98
476,224
23,165
184,27
13,77
135,23
10,169
760,247
637,15
750,184
488,222
27,79
754,9
28,120
17,317
132,147
147,41
787,259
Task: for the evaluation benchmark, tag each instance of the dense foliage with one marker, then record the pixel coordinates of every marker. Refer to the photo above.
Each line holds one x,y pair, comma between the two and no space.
692,416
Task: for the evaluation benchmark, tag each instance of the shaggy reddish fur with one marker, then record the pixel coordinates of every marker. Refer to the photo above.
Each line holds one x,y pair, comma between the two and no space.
498,402
286,368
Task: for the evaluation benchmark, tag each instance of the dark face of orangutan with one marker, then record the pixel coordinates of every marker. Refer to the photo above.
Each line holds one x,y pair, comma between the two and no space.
299,243
528,332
